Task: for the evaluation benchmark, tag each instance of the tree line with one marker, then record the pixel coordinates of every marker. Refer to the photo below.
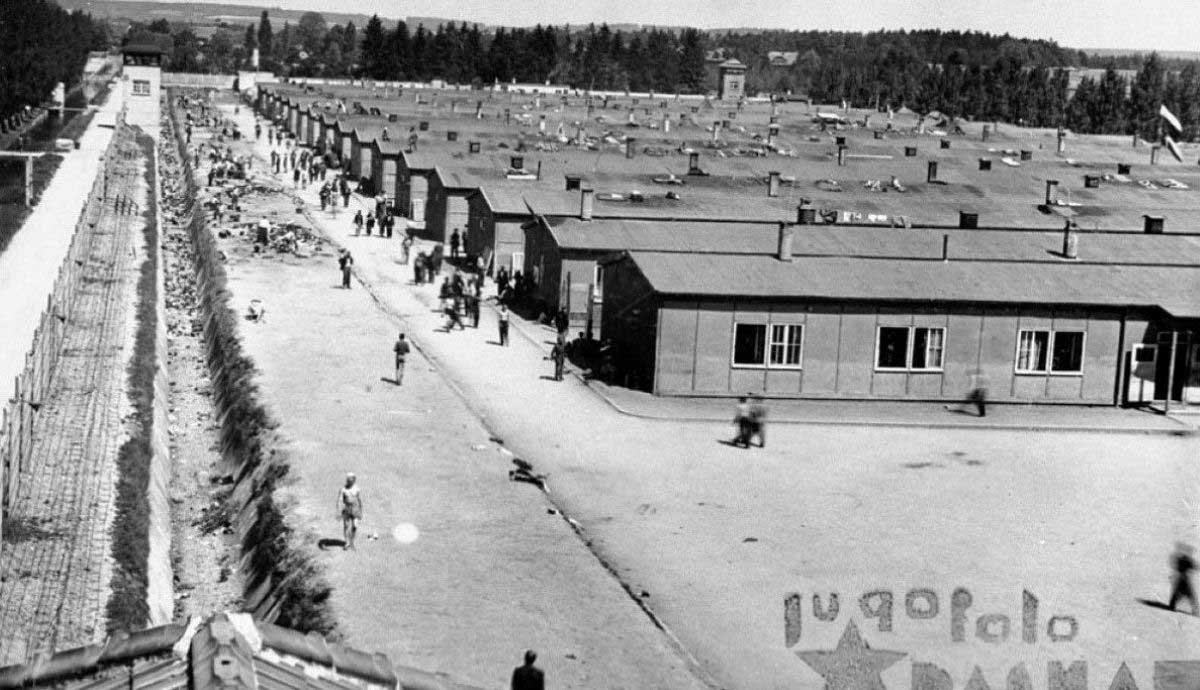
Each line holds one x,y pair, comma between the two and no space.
43,45
973,75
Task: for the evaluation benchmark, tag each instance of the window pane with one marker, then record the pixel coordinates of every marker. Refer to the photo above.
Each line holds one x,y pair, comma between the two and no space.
893,348
1068,351
1031,350
795,342
927,348
920,338
749,343
785,344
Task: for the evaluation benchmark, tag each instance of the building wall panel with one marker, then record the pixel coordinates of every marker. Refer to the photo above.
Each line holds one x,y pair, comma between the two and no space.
1102,358
714,342
962,352
998,342
676,347
822,328
857,351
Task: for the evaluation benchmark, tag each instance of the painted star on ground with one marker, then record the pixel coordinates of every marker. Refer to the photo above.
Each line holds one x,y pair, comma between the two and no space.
853,665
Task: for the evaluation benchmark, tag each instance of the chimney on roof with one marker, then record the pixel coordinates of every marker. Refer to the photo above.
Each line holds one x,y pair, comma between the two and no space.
1062,141
472,147
1070,248
931,171
451,136
1050,185
772,133
693,163
786,236
1153,225
1154,154
630,146
945,247
716,131
987,132
773,183
805,213
516,162
539,170
841,154
478,110
573,182
587,199
666,123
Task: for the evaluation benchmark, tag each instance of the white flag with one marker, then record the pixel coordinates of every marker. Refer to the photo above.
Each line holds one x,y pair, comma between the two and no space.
1170,117
1174,148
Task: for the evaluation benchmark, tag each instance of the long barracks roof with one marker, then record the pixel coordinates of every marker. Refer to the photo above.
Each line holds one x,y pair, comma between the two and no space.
933,281
875,243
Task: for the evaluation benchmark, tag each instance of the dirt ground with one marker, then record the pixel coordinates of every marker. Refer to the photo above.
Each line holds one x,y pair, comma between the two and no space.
712,539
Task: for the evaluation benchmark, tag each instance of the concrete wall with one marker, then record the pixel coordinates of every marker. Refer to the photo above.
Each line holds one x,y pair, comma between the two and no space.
695,352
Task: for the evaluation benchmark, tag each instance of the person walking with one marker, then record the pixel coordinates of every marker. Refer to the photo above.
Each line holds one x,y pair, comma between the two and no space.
758,422
405,248
473,309
1182,565
350,509
346,263
358,222
741,423
389,223
401,350
977,395
559,355
503,322
370,222
454,240
345,187
528,676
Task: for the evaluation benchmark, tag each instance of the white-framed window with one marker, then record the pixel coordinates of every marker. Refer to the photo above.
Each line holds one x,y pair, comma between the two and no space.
774,346
909,348
141,87
787,345
1043,351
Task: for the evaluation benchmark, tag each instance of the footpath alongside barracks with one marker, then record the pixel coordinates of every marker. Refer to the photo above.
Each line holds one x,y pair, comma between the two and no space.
458,569
57,570
29,266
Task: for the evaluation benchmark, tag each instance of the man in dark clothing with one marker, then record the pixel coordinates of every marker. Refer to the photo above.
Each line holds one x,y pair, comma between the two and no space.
401,350
346,263
454,240
528,677
473,309
1183,564
559,355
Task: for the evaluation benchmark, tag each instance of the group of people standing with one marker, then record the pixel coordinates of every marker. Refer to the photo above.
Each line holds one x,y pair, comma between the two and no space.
386,221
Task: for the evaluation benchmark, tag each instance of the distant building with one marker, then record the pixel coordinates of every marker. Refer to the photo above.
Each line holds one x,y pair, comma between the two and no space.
731,80
141,82
781,58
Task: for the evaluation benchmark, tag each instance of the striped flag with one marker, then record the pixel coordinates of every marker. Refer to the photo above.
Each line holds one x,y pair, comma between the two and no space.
1173,148
1170,117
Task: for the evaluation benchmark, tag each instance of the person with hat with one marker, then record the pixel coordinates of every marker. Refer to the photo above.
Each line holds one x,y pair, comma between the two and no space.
350,506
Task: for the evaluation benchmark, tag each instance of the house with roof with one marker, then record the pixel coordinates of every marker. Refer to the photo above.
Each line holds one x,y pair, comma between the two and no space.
230,650
913,315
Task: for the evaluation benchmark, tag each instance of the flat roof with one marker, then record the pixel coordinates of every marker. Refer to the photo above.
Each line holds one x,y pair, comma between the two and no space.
875,243
1172,289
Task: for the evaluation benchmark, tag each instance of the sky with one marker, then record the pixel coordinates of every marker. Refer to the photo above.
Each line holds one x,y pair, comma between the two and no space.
1129,24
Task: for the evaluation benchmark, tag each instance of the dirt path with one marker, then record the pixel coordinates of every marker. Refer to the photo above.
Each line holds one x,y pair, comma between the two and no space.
458,570
204,562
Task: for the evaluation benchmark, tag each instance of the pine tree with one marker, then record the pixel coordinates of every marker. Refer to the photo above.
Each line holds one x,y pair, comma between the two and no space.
374,49
266,40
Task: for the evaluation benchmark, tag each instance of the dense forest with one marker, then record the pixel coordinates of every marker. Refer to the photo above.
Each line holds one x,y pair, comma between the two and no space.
43,45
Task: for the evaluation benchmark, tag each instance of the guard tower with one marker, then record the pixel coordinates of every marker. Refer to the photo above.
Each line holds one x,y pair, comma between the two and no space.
141,84
731,80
